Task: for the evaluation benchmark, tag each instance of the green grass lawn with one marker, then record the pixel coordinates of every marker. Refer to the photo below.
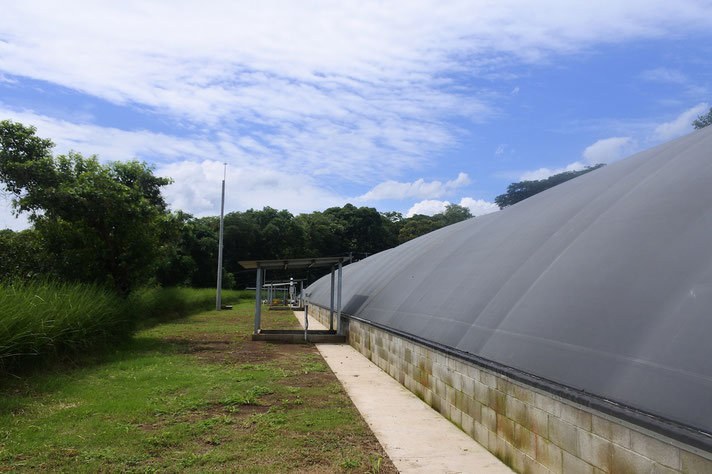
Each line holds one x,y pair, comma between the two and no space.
192,395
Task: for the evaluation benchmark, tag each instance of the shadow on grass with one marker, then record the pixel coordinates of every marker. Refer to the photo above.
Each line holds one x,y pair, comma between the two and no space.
45,377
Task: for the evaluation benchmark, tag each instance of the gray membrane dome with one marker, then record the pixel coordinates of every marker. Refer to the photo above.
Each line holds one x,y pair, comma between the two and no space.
602,284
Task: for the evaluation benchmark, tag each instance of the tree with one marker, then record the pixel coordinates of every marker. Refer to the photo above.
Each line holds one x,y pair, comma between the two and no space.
420,224
98,222
455,213
703,120
523,189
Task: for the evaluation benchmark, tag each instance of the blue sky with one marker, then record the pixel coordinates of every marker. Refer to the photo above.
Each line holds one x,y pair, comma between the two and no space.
402,106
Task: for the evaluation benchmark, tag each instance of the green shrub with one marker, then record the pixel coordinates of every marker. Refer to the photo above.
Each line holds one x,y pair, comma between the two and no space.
47,319
41,320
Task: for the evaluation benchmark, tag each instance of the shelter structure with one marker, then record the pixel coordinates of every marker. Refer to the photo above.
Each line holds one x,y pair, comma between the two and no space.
569,332
336,264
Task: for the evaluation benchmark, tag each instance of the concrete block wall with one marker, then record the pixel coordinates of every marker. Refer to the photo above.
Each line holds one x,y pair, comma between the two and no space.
530,430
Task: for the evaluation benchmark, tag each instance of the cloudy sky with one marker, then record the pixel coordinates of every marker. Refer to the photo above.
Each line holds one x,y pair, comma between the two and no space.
401,106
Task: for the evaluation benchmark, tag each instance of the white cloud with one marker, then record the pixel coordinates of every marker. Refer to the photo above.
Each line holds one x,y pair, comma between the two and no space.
478,207
663,74
543,173
608,150
680,125
198,189
197,179
417,189
337,87
605,150
429,207
515,91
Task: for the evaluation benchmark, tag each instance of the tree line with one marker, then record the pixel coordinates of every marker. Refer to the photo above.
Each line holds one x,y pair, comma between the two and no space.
108,223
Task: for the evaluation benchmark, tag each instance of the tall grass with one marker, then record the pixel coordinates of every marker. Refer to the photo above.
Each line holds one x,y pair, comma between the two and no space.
159,304
43,320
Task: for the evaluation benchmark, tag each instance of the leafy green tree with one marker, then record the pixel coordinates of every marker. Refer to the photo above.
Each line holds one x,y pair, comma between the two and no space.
521,190
22,255
416,226
98,222
703,120
455,213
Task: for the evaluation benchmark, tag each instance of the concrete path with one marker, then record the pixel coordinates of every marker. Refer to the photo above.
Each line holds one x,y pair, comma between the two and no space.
416,437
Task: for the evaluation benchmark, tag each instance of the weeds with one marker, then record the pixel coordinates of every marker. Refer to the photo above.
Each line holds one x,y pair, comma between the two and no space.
42,320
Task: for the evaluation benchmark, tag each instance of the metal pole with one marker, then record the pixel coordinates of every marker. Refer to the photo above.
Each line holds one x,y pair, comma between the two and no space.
331,304
338,299
258,299
306,321
218,296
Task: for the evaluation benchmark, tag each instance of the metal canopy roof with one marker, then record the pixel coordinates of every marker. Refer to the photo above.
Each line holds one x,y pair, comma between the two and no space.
602,284
287,263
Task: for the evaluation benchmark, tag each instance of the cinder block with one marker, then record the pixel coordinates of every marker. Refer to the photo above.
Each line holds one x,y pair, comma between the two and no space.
522,393
532,466
468,424
439,387
428,396
624,460
468,386
482,393
476,411
548,454
503,385
505,428
595,450
692,463
516,410
455,415
470,406
461,401
576,416
473,372
498,401
408,355
489,418
524,440
445,409
563,434
492,442
488,379
548,404
427,365
660,469
654,449
450,394
573,465
456,378
514,458
537,421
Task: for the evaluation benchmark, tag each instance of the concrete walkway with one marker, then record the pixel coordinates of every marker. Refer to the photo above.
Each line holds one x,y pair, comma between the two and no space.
416,437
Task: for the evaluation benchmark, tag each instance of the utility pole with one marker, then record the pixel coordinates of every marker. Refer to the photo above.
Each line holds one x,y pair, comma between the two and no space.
218,298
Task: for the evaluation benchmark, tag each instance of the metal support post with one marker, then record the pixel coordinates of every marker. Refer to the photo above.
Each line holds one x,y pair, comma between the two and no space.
331,304
338,300
258,300
306,321
218,296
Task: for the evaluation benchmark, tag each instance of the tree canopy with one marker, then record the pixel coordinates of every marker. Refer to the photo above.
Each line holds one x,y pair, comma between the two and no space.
108,222
97,222
523,189
703,120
